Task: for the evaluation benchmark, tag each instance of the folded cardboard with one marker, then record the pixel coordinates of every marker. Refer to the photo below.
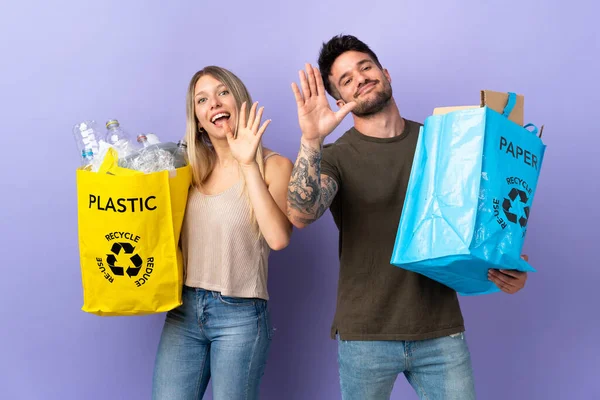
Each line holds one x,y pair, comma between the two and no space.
495,101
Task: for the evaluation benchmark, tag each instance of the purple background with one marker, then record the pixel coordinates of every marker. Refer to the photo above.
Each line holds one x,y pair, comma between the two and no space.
69,61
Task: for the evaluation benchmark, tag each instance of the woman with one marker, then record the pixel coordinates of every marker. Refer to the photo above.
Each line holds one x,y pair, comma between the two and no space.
235,215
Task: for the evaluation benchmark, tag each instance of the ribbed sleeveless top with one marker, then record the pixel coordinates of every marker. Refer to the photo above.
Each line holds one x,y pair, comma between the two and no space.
222,248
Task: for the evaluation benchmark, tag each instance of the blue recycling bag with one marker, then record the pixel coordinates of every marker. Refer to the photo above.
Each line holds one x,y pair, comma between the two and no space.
469,198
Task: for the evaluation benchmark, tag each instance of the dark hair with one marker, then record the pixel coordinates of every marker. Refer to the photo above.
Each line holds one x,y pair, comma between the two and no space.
335,47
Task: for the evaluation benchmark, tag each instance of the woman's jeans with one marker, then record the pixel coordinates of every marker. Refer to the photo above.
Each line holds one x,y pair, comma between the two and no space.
211,336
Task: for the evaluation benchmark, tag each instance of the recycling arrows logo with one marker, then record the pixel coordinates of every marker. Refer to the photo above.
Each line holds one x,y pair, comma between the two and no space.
124,253
512,205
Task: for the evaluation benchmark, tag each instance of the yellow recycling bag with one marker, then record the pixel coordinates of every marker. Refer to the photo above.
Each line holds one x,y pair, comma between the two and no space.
129,226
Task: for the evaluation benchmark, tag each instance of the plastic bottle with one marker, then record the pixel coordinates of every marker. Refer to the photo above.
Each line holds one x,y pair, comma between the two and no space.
87,135
119,138
87,157
152,138
143,140
181,159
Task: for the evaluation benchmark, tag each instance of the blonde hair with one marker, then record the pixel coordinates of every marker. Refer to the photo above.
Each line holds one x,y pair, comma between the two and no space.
201,154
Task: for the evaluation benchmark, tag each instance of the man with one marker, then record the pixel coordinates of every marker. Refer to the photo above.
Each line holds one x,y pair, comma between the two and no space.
388,320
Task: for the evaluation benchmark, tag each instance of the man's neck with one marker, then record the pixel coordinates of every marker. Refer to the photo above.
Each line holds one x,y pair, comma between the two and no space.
385,124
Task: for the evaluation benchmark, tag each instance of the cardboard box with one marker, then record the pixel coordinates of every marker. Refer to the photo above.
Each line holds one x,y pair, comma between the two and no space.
446,110
495,101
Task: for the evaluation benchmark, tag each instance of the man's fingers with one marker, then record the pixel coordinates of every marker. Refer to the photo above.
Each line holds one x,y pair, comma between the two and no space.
346,108
312,83
304,85
297,95
512,273
319,80
499,276
501,285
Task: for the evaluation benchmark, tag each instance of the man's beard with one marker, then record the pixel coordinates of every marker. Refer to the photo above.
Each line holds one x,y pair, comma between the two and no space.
375,105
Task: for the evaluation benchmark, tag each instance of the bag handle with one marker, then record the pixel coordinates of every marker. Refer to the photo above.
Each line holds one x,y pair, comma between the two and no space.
510,104
534,130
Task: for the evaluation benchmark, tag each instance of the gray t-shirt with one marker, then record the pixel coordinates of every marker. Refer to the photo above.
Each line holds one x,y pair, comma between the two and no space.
376,300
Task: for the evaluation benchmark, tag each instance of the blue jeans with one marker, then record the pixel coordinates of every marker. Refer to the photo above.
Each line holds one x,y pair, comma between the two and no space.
436,368
214,337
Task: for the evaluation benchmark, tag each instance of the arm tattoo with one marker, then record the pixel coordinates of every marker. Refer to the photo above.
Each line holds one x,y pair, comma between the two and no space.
314,157
307,194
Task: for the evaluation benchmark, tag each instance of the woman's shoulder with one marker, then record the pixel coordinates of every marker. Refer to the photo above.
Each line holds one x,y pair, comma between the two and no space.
276,165
273,157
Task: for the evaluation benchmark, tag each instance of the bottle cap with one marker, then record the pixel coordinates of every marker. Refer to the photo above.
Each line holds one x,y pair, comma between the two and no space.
112,122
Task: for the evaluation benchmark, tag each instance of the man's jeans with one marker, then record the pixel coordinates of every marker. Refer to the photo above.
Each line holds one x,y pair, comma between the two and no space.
436,369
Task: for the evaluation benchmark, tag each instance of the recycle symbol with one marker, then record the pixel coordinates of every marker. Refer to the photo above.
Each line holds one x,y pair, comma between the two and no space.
136,260
511,203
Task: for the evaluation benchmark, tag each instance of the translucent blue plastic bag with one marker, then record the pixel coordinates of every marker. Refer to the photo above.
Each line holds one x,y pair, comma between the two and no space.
469,198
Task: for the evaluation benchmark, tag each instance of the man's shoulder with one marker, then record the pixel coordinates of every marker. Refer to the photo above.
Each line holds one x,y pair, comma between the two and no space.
412,124
342,140
338,145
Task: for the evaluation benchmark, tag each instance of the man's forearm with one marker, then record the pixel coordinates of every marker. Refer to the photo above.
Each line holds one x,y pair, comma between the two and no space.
307,198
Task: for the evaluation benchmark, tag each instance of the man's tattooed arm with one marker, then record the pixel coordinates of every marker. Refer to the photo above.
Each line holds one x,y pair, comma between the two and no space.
309,192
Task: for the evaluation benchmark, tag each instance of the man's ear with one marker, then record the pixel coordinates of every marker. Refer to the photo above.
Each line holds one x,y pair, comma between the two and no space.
340,103
387,75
